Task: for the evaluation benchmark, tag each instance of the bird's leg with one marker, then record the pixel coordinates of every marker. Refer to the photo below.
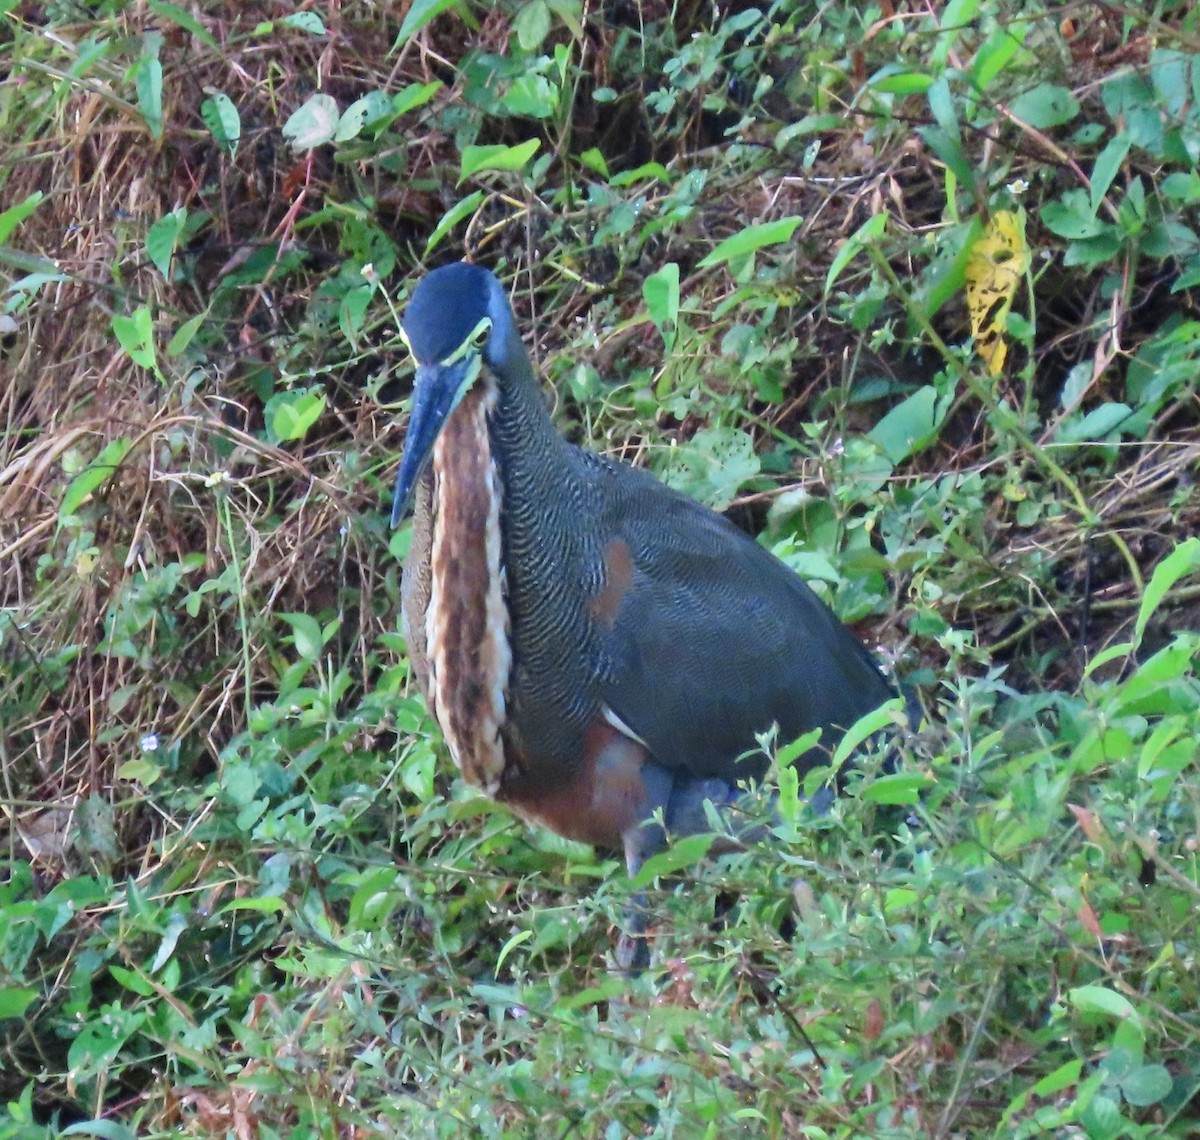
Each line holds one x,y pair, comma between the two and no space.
680,804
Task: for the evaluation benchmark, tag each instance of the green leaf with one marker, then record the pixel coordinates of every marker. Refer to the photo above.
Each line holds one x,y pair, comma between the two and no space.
866,726
221,117
510,946
148,81
898,788
94,475
15,215
1047,105
452,217
413,96
102,1129
996,52
1095,427
750,239
374,105
1107,164
163,237
183,19
713,466
289,415
1100,999
532,25
184,334
476,159
531,96
419,15
686,851
306,635
794,749
135,334
661,293
15,1000
868,232
1182,561
1147,1085
911,426
313,124
305,22
1062,1078
891,81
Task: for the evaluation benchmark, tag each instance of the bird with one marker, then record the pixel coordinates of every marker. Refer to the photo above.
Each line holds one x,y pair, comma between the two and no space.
600,651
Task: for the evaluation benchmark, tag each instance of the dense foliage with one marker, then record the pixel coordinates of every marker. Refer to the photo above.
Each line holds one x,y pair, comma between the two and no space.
911,290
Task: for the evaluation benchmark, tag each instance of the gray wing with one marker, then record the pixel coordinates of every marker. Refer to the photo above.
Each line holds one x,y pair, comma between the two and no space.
716,640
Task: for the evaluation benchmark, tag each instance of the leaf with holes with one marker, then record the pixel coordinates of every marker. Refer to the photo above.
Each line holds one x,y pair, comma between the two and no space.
998,261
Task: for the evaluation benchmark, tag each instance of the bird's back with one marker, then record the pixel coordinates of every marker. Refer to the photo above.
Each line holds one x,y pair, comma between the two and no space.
712,638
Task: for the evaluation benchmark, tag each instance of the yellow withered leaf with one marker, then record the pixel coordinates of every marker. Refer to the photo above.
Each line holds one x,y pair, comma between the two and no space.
998,261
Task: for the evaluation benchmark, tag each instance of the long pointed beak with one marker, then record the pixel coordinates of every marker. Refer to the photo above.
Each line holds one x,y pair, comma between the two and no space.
436,392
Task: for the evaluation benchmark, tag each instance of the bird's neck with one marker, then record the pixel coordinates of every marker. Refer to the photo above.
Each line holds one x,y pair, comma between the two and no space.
467,624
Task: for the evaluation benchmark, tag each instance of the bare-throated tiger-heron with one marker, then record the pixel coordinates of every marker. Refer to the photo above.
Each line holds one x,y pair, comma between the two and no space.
597,648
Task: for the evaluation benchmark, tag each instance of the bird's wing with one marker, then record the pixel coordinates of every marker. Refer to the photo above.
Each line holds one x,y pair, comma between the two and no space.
712,639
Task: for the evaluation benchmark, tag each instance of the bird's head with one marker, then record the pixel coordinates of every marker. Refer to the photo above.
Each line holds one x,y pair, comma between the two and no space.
458,322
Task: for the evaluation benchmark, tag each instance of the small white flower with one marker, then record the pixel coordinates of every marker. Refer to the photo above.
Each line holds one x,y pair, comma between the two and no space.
149,742
1017,187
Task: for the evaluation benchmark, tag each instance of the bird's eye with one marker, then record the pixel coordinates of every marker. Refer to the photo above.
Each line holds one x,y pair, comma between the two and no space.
479,337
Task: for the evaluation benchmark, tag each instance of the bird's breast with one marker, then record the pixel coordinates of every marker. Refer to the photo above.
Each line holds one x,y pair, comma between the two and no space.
467,623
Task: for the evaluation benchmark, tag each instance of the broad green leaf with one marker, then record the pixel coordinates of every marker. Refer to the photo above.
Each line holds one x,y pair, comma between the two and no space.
413,96
794,749
289,415
1098,425
1047,105
15,1000
531,96
101,1129
1147,1085
750,239
313,124
661,292
374,105
510,946
163,238
1100,999
713,465
476,159
221,117
135,334
911,425
532,25
148,81
306,634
